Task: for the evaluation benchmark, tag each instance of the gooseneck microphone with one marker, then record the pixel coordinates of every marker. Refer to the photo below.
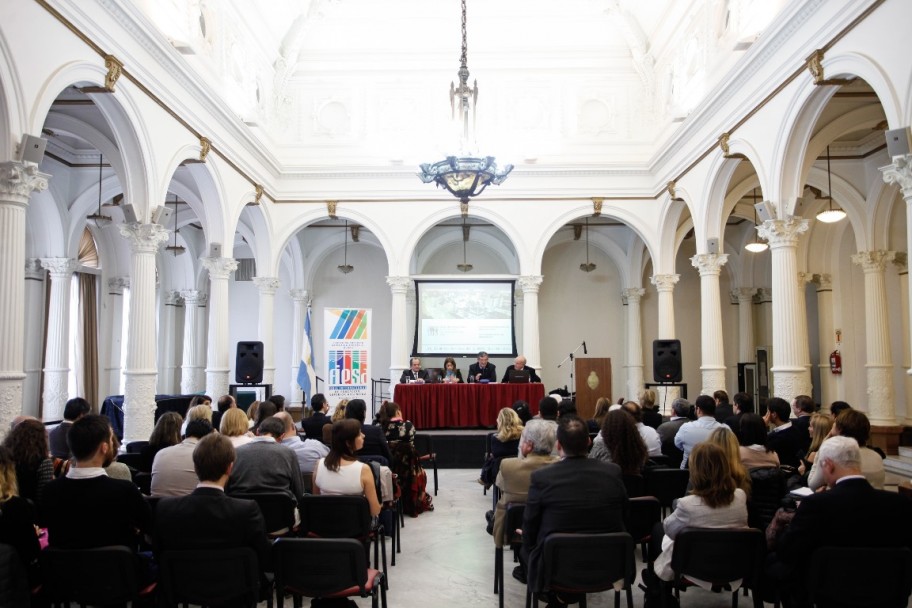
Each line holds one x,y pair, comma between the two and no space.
585,350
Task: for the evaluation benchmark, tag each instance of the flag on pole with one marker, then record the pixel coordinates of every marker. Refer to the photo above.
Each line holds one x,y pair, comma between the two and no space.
307,375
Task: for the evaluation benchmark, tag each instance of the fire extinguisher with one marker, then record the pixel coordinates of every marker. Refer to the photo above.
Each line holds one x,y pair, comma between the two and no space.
835,362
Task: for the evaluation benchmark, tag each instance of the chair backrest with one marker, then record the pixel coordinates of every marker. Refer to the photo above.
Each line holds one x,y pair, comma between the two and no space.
513,520
131,459
587,563
335,516
14,589
278,509
134,447
645,513
308,480
317,567
209,576
635,484
666,484
878,576
658,461
671,452
424,445
767,491
103,575
719,555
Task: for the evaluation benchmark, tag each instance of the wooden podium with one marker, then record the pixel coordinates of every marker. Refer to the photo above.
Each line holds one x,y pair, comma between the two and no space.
593,380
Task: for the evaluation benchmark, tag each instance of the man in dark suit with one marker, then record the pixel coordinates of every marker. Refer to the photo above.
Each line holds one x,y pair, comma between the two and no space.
851,514
482,370
743,404
803,407
75,409
313,426
374,440
577,494
519,363
208,518
723,408
414,373
783,439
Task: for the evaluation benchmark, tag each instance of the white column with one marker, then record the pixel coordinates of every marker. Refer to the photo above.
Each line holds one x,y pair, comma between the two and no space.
399,354
902,263
712,353
192,368
172,306
57,355
218,355
114,321
267,287
34,336
530,285
791,376
299,299
201,341
17,182
664,284
141,372
632,296
804,344
879,364
900,173
829,385
746,348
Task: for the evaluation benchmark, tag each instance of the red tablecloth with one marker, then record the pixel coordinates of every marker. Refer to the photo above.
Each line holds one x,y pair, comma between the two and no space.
437,406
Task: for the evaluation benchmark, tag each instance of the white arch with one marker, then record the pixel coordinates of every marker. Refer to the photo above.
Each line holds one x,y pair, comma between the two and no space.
444,238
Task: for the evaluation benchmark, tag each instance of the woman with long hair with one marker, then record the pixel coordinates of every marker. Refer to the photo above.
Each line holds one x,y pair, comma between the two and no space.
504,444
651,415
28,444
17,517
341,473
753,449
601,410
451,373
234,427
725,439
394,427
339,413
854,424
410,475
167,432
715,502
620,442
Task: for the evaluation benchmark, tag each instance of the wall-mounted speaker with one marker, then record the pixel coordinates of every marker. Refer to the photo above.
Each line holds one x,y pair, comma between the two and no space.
162,214
129,212
712,245
215,250
248,366
666,361
31,150
765,211
899,141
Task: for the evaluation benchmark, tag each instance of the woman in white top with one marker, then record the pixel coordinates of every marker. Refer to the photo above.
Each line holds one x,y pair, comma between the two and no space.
341,473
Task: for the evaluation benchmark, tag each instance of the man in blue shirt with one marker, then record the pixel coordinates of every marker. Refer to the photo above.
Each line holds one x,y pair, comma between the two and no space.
692,433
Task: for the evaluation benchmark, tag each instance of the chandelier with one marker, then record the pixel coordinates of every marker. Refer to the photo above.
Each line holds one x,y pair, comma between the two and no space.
830,214
345,267
99,219
467,175
756,246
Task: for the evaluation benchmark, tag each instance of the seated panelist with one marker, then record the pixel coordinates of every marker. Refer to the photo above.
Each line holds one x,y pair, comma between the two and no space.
451,374
414,373
482,371
519,363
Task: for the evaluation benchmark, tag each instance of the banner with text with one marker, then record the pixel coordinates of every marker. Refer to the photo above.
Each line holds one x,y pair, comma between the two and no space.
348,344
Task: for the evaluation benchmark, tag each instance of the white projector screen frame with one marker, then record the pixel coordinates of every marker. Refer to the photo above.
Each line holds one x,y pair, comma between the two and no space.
461,318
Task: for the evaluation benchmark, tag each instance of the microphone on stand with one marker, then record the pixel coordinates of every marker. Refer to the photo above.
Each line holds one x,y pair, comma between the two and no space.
585,350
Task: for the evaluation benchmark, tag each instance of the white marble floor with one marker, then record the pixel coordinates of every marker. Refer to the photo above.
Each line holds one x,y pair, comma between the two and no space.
447,558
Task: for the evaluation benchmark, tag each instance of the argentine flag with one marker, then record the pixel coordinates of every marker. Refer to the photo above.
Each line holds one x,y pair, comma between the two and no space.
307,375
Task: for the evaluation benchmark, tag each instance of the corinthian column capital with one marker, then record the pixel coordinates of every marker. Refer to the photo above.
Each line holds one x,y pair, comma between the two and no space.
267,285
899,172
530,283
709,263
59,268
632,295
665,282
873,261
219,268
144,238
398,285
19,180
783,233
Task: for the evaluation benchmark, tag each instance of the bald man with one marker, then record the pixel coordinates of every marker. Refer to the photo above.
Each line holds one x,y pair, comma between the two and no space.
519,363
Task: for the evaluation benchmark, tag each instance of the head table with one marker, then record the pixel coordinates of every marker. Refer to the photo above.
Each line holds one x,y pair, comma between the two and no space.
438,406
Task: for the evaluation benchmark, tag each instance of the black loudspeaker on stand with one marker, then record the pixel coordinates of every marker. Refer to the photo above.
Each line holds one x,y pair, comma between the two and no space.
248,368
666,360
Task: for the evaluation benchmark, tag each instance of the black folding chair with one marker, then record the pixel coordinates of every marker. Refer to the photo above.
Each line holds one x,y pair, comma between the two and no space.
100,576
211,577
644,513
586,563
424,445
880,577
324,568
278,511
512,522
666,485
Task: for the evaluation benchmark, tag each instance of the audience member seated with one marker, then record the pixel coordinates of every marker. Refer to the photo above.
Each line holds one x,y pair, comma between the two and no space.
28,444
167,432
726,439
837,407
566,408
601,410
854,424
742,404
522,410
17,524
207,518
535,447
234,427
680,410
724,409
651,415
451,373
341,473
819,430
224,403
313,425
307,451
650,435
252,412
620,442
412,479
338,413
714,502
75,408
693,433
851,514
279,401
266,410
783,438
374,443
118,470
577,494
802,407
87,509
547,408
172,469
266,466
754,450
201,411
504,444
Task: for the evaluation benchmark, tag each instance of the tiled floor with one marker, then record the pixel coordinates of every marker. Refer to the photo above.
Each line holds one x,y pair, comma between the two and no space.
447,558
